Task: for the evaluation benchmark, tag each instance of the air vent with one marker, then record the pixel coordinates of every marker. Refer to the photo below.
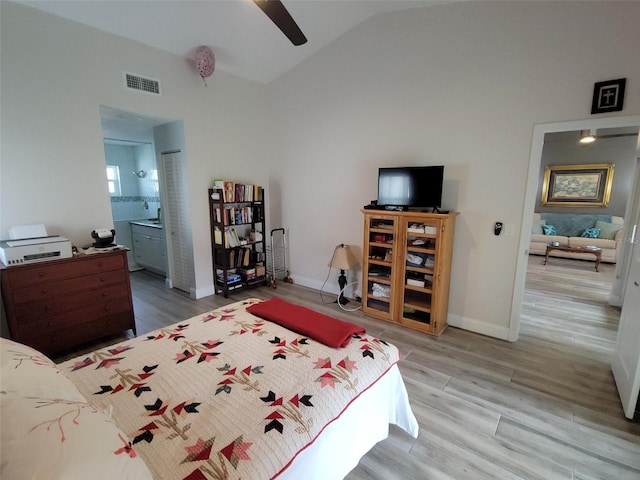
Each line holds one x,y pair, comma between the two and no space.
142,84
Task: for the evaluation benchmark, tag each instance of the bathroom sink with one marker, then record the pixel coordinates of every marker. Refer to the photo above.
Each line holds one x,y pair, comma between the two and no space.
153,220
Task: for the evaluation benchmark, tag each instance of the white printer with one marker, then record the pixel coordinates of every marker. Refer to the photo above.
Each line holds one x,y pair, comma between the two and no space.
18,251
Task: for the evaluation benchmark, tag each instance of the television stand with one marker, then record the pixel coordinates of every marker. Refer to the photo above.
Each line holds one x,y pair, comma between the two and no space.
437,210
396,208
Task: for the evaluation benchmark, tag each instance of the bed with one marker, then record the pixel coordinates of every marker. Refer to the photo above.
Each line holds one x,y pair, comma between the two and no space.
225,394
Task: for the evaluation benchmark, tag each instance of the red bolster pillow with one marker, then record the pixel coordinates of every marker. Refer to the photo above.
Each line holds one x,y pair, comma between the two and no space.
322,328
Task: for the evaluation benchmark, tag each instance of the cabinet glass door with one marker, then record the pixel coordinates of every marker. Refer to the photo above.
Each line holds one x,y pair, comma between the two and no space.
418,271
379,272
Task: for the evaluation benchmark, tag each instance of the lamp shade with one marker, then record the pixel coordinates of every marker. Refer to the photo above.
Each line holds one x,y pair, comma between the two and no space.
343,258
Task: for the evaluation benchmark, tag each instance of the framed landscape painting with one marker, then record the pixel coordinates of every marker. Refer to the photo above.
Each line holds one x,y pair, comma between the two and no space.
577,185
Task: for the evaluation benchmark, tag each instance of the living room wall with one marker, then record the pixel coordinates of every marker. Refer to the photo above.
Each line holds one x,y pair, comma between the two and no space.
564,149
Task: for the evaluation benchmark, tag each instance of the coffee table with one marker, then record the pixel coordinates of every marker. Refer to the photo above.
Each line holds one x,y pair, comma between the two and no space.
592,250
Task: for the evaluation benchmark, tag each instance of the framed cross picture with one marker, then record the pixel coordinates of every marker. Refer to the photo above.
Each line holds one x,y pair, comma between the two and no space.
608,96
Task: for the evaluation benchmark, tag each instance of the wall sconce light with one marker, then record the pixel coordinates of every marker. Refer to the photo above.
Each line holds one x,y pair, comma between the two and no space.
140,173
342,259
587,136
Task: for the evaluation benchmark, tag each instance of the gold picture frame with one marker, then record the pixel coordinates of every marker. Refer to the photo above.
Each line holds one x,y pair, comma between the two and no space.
577,185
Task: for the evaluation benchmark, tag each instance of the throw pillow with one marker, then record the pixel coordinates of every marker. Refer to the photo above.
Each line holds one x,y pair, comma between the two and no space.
536,227
548,229
591,233
608,230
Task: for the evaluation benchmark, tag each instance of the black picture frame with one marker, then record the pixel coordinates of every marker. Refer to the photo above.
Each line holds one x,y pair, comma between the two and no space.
608,96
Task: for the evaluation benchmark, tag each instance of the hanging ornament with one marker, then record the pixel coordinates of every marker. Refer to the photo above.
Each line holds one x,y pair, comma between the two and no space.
205,62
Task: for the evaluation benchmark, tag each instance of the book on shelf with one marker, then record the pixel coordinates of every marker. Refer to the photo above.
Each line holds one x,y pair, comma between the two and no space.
217,236
228,191
237,192
231,238
236,215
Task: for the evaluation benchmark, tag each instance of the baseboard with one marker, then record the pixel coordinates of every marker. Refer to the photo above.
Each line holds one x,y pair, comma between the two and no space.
466,323
615,300
314,284
196,293
478,326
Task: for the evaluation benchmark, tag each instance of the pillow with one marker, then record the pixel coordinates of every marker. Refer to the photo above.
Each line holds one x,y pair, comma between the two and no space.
322,328
536,227
608,230
31,373
591,233
42,411
548,229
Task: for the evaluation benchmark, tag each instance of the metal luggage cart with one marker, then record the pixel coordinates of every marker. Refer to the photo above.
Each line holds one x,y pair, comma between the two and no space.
277,258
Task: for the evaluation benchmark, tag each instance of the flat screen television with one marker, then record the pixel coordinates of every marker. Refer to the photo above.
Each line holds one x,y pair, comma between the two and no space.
410,187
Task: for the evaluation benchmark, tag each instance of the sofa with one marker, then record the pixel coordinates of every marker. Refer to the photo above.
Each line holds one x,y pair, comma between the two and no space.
568,229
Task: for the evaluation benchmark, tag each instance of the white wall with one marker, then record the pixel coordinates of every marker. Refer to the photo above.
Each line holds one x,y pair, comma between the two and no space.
56,74
461,85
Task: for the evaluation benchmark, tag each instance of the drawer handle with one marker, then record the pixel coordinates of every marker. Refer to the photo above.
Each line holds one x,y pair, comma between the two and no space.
102,279
104,294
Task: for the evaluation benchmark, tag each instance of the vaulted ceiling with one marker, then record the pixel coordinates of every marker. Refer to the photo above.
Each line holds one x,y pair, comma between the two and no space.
244,40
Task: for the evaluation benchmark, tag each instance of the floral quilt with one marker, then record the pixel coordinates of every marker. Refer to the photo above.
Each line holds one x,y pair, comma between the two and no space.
226,395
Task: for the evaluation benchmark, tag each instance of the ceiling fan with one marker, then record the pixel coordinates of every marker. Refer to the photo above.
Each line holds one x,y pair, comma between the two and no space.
276,11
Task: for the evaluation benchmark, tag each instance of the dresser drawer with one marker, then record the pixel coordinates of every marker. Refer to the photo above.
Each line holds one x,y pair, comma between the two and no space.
66,338
70,287
56,305
32,311
95,316
55,271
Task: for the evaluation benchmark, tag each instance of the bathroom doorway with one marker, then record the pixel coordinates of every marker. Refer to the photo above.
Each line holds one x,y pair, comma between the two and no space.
134,186
135,145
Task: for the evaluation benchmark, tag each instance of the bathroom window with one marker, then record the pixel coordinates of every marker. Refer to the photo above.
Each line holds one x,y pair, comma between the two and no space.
113,180
154,181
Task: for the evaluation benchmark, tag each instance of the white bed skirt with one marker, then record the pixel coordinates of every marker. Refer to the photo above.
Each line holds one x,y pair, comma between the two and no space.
363,424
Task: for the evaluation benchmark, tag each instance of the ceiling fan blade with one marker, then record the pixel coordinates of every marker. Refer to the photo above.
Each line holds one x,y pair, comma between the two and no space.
275,10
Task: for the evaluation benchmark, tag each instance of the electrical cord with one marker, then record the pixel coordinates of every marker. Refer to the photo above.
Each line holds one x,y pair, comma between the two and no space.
341,291
342,306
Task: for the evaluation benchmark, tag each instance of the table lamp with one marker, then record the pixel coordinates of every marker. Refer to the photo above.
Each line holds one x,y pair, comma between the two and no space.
342,259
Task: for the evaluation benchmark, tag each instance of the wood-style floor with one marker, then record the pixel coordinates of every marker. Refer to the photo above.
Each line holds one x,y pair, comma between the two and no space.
544,407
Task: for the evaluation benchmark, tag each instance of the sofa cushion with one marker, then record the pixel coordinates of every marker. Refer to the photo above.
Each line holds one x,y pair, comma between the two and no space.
547,239
592,242
591,233
608,230
536,226
549,230
572,225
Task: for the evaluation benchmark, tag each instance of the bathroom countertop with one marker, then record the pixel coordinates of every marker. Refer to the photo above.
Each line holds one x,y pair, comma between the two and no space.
146,223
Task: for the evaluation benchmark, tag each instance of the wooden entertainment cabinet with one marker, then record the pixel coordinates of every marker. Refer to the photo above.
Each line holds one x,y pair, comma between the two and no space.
406,267
57,304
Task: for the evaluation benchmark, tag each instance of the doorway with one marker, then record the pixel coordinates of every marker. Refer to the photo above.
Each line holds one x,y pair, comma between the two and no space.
145,206
530,199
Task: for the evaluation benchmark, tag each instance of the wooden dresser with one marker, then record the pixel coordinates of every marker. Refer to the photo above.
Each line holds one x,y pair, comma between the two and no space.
58,304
